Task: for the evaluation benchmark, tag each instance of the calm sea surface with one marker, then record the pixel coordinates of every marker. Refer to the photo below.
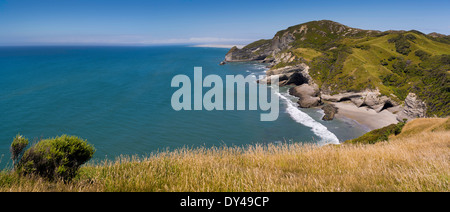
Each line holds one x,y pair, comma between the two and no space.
119,99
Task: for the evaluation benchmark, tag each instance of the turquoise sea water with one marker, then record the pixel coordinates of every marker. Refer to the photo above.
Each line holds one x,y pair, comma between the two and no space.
119,99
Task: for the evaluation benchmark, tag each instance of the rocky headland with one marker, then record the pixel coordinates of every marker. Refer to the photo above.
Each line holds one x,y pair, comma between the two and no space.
316,60
370,107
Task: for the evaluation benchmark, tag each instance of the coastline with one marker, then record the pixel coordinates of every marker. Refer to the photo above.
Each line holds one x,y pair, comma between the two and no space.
365,116
225,46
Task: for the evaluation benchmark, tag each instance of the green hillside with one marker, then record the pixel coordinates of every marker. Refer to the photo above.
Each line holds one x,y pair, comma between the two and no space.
343,59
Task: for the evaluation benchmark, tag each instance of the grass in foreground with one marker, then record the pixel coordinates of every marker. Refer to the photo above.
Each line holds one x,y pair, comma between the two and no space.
412,162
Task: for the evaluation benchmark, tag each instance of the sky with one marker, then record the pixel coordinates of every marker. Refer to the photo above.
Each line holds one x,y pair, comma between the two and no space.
148,22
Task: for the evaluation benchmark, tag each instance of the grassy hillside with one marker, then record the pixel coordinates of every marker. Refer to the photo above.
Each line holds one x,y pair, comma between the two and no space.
428,125
342,59
414,160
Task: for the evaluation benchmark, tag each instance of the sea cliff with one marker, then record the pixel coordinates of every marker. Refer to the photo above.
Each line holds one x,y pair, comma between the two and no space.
401,74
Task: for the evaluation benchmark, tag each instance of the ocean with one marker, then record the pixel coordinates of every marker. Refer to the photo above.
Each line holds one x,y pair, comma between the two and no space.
119,99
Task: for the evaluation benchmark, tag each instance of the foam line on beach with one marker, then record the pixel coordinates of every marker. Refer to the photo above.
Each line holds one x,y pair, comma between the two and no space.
304,119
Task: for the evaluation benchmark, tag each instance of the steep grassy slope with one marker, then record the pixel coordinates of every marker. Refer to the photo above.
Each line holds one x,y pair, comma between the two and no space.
322,35
415,160
368,62
428,125
347,59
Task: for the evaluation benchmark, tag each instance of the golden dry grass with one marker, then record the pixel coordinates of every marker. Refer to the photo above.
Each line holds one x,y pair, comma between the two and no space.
425,125
417,162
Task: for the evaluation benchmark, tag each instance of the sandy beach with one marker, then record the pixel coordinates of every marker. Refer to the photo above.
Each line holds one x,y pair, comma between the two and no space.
365,116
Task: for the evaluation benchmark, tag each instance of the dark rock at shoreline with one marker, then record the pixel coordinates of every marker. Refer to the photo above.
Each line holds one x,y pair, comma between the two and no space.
329,110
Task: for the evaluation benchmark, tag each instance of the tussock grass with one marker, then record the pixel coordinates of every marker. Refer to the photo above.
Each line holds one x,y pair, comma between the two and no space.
415,162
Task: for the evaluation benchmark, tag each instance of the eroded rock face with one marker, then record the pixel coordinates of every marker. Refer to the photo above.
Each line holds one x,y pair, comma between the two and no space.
261,49
329,110
287,69
282,42
307,102
289,75
372,99
377,102
294,79
358,96
308,95
413,108
305,89
268,80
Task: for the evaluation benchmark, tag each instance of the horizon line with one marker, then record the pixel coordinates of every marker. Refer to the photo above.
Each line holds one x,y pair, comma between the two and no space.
121,45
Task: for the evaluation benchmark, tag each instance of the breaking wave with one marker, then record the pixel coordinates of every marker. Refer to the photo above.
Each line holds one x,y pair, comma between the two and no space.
317,128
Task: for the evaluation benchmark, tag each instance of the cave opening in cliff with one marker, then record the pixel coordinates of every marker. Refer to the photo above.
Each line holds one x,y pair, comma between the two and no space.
387,105
344,99
298,79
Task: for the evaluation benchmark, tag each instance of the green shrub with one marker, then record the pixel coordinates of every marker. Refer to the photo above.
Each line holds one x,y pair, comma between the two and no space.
410,37
391,58
445,59
402,45
58,157
434,85
17,146
393,80
423,55
362,47
399,66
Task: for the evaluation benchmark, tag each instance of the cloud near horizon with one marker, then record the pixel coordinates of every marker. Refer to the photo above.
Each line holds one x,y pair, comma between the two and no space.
123,40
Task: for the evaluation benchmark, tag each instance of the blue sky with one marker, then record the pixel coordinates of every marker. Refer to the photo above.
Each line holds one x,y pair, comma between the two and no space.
147,22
